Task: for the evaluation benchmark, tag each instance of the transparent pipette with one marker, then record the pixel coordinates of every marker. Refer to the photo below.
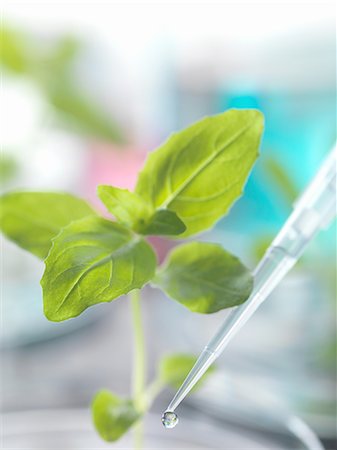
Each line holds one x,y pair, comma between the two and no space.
314,210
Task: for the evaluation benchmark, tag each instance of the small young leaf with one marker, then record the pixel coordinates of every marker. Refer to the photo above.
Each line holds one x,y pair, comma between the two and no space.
205,278
32,219
163,222
199,172
131,210
128,208
173,369
92,261
112,415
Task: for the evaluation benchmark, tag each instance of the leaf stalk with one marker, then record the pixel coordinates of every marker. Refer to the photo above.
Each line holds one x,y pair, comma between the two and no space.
139,365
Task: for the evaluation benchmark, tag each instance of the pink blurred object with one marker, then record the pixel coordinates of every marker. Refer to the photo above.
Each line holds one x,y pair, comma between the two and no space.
108,164
162,246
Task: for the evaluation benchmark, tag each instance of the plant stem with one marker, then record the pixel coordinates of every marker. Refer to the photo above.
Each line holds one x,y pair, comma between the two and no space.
138,381
152,391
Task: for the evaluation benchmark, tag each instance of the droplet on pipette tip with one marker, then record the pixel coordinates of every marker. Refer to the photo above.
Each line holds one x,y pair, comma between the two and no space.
169,419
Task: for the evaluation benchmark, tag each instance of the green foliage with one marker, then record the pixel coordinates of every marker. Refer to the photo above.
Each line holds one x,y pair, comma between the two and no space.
23,55
50,67
61,58
13,51
128,208
205,278
193,179
163,222
131,210
174,369
199,172
93,261
32,219
184,188
81,114
112,415
8,168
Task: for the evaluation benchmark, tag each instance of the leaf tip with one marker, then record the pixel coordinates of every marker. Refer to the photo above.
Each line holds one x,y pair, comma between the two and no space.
100,189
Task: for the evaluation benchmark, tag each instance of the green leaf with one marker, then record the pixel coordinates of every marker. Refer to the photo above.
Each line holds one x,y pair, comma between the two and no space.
81,113
112,415
50,68
199,172
131,210
205,278
173,369
63,55
92,261
13,50
163,222
32,219
127,207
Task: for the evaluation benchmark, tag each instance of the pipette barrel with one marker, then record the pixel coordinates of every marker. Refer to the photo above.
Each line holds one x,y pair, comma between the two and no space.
313,211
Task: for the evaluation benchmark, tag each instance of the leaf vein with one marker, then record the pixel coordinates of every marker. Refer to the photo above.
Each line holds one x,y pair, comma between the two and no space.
197,279
210,197
203,166
89,269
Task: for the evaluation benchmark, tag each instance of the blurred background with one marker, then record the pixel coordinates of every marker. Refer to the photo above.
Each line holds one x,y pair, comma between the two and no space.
88,88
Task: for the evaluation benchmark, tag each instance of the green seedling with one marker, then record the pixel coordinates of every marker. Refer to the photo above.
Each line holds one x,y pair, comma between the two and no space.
185,187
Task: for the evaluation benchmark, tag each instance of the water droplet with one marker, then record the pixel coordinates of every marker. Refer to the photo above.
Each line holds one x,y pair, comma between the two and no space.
169,419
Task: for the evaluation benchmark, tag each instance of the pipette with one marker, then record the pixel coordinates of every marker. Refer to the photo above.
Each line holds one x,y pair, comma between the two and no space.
313,211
